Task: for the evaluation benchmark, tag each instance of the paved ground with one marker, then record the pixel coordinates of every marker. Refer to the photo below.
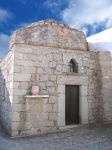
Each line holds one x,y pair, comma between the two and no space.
85,138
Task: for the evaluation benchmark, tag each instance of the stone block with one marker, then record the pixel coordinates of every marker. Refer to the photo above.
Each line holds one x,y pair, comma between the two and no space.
40,70
83,90
48,108
52,90
20,92
16,85
41,85
55,108
48,70
52,77
14,133
16,116
61,89
65,68
49,123
23,85
27,125
42,61
33,77
52,64
21,126
52,116
59,68
49,57
31,57
18,55
22,116
15,126
49,83
46,116
44,92
17,68
24,63
56,72
27,69
18,107
23,49
57,57
19,100
22,77
43,77
53,99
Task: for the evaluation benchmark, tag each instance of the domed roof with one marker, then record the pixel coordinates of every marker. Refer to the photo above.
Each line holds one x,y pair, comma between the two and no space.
50,33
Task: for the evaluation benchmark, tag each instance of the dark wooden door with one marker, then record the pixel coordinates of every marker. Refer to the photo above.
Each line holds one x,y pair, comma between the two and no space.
71,104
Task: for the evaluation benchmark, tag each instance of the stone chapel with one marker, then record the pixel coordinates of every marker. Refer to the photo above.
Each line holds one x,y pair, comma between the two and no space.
75,81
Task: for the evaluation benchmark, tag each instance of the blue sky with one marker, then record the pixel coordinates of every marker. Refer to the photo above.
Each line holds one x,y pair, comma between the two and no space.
89,16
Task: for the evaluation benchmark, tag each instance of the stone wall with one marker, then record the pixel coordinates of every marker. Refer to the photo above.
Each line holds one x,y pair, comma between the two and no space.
94,90
42,53
47,65
50,33
42,58
49,68
6,90
104,78
105,61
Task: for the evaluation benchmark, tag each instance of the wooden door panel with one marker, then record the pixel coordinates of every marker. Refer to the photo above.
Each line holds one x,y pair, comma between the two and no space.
71,104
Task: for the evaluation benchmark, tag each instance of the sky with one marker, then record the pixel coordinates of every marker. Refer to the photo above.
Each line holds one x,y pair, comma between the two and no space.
89,16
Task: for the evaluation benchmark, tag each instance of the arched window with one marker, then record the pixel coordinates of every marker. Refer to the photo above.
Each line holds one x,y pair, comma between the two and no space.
73,66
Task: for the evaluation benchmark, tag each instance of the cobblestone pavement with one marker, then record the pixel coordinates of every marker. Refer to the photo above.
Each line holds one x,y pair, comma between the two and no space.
81,138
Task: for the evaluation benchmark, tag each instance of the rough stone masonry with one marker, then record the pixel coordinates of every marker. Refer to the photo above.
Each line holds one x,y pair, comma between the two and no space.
40,54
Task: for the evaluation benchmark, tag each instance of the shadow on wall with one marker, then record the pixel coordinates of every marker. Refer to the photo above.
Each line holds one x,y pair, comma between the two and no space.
5,104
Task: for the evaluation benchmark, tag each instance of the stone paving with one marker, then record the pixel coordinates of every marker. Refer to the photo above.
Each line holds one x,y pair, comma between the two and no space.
81,138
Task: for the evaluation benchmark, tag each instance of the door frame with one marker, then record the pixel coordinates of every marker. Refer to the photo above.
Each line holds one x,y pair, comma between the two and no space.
83,104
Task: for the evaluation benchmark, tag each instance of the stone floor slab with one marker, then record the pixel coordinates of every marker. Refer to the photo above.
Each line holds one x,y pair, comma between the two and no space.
81,138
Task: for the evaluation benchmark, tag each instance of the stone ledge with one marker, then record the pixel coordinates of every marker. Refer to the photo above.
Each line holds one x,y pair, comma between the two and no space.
36,96
71,73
